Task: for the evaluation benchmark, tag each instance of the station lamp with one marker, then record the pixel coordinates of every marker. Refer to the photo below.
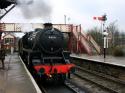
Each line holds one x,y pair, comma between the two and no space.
105,42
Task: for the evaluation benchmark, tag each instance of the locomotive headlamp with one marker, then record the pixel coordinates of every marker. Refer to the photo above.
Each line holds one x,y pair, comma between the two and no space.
42,71
72,70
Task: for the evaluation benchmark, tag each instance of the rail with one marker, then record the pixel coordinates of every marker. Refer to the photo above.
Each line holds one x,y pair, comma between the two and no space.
106,82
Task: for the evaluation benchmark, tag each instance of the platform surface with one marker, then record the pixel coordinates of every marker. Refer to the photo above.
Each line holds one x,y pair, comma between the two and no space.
119,61
14,78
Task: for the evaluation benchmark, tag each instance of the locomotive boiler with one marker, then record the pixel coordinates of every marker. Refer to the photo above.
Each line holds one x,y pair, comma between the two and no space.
43,53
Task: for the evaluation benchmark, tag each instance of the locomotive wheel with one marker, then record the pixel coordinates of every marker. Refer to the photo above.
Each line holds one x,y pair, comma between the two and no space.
62,78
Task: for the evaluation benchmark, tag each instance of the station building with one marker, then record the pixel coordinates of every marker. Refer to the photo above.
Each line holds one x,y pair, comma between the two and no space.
9,41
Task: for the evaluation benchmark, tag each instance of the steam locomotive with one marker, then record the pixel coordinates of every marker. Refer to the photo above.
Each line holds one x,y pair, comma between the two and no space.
43,53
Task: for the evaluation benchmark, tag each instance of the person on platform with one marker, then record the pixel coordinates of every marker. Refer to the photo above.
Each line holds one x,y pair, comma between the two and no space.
2,56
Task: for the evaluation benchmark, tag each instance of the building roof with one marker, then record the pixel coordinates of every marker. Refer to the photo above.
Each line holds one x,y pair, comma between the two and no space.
8,36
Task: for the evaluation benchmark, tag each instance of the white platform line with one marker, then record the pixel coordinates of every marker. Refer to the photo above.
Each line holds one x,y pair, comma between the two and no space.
33,81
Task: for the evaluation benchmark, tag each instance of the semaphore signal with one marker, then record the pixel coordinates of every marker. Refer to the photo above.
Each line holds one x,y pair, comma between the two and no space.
101,18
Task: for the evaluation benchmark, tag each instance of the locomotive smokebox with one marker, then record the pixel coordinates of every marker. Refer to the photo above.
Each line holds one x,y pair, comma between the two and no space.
48,26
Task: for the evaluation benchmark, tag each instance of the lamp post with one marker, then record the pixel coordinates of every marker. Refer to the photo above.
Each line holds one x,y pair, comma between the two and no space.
105,42
65,19
105,34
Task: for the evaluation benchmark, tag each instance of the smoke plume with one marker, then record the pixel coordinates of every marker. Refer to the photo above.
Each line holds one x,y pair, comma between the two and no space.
35,8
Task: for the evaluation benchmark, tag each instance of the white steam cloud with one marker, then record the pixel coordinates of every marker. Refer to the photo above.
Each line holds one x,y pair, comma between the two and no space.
35,8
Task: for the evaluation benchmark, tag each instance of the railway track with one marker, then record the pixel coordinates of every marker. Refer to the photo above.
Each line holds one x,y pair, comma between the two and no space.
67,87
109,84
74,87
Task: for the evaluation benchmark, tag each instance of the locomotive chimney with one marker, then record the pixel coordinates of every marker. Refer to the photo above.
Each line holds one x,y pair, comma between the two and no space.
48,25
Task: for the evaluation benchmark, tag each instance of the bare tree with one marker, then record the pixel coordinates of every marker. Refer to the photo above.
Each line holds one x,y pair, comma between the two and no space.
114,31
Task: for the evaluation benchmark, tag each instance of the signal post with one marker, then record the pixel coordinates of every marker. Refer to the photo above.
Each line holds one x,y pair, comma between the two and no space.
103,18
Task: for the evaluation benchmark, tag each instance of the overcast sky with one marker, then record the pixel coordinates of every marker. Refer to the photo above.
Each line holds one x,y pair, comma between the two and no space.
79,12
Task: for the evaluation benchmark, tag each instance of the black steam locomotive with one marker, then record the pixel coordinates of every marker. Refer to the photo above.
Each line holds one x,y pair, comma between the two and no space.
43,53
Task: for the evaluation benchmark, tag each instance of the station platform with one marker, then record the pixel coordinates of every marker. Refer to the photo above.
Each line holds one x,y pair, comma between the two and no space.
119,61
15,78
